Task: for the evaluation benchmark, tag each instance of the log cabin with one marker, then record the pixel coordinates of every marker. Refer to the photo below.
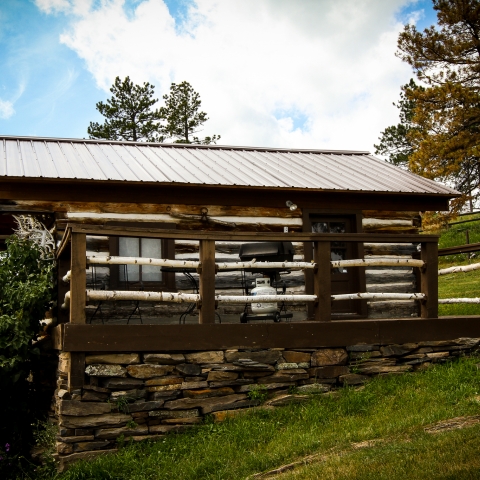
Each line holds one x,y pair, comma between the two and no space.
159,247
221,189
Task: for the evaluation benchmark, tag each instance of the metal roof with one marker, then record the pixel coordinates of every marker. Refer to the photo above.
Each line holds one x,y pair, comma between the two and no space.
103,160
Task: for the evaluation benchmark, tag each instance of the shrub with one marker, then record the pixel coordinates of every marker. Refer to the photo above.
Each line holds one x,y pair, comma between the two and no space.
26,293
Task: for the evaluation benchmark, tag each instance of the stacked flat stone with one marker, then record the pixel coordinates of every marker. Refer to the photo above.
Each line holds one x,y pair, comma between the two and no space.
135,396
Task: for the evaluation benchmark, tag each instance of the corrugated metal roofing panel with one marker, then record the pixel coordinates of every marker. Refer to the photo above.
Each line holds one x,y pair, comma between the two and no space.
207,165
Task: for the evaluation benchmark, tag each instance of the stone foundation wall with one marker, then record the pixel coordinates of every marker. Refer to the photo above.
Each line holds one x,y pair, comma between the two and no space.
132,396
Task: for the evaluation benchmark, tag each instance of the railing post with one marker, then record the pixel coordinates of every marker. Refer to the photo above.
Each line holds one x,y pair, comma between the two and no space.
207,282
429,280
78,281
322,281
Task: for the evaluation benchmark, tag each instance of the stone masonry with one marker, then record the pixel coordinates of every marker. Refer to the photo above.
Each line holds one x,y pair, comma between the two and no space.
133,396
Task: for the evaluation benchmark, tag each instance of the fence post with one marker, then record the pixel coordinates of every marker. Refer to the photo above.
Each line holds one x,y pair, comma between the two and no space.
207,282
322,281
429,280
78,281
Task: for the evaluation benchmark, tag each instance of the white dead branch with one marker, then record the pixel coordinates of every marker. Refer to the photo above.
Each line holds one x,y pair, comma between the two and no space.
459,300
460,268
31,229
378,262
379,296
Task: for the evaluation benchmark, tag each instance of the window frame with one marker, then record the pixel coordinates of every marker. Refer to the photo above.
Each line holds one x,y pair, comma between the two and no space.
167,284
359,280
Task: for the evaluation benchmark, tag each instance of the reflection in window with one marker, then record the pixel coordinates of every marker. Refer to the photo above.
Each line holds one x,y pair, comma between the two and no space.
339,249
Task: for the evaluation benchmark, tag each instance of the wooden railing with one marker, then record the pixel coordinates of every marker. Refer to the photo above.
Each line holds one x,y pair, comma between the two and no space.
73,262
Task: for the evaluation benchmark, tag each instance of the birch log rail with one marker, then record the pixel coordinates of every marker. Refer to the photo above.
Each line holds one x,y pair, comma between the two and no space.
264,298
378,262
458,300
379,296
155,262
459,268
265,265
112,295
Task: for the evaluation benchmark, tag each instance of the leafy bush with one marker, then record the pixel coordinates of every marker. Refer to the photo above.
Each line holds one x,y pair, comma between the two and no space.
26,293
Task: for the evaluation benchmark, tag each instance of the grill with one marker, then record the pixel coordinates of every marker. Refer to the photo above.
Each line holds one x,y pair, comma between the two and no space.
267,252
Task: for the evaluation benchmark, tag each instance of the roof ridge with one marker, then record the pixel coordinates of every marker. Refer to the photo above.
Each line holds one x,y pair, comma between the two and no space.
183,145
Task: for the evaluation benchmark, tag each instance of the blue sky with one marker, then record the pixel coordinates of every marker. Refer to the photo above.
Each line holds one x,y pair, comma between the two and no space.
56,62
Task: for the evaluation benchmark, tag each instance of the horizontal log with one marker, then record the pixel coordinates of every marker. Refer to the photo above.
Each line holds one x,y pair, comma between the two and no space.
370,262
371,223
390,214
265,265
114,295
388,277
153,208
197,337
156,262
393,308
392,229
459,268
458,300
389,249
229,248
193,225
379,296
403,287
264,298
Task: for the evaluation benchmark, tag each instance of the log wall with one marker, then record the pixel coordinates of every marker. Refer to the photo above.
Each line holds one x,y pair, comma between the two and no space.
237,218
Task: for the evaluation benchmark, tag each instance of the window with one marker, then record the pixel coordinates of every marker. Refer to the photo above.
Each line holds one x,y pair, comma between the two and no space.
140,247
142,277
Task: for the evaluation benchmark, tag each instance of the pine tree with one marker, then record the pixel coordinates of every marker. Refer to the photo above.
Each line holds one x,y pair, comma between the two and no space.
395,142
446,138
129,114
183,116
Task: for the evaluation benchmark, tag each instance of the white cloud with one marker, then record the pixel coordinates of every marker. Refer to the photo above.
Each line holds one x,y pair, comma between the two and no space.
6,109
6,106
331,63
76,7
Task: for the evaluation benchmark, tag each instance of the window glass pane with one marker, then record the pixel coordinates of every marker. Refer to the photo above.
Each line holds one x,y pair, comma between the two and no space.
129,247
319,227
151,248
337,227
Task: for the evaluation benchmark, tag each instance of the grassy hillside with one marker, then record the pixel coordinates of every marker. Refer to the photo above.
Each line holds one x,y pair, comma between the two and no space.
460,284
376,431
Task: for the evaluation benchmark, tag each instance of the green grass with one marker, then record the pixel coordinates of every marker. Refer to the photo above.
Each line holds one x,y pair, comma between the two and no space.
459,284
388,407
452,455
455,235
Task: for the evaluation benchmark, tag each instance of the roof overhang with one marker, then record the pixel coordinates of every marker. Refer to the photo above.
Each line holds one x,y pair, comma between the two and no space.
58,190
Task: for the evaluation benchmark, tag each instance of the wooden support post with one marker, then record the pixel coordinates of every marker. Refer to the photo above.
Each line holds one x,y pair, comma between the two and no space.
207,281
322,286
429,280
78,285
